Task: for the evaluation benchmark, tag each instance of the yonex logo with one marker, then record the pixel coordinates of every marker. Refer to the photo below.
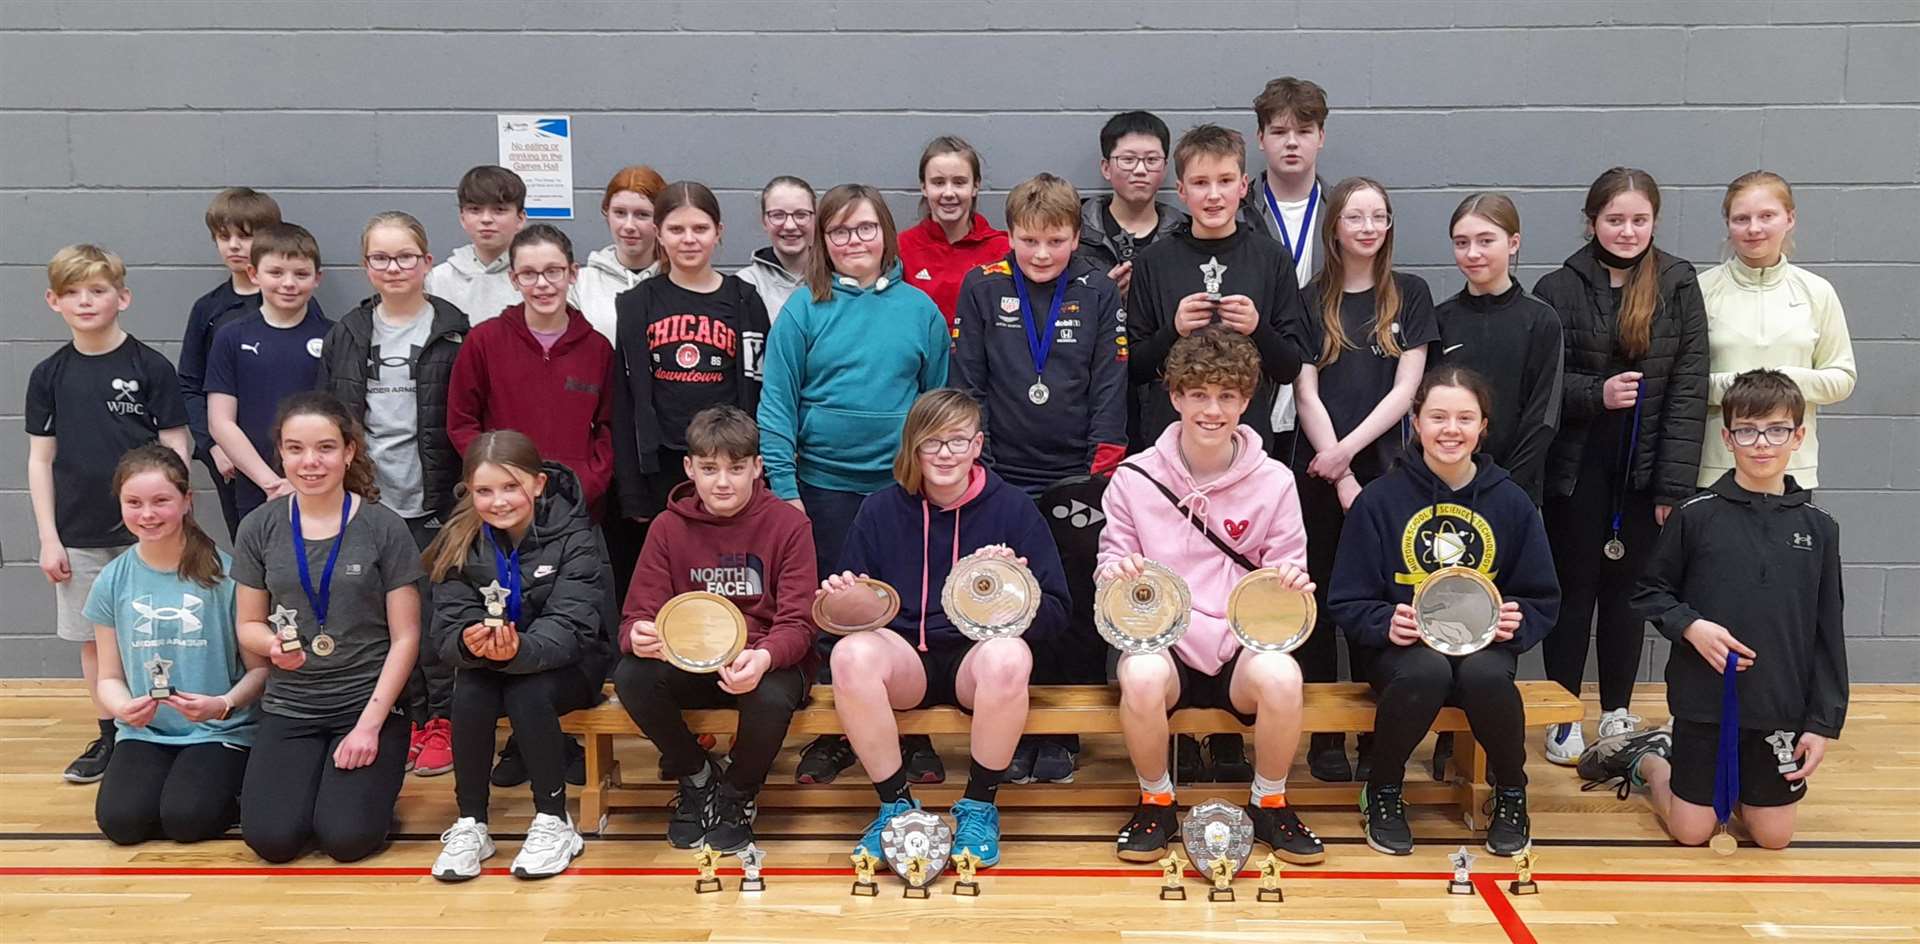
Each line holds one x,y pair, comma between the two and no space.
1079,513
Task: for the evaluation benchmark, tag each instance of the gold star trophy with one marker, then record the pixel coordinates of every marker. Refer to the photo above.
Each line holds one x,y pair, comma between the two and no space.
1221,870
1170,869
966,863
916,878
1523,883
1270,879
863,863
706,860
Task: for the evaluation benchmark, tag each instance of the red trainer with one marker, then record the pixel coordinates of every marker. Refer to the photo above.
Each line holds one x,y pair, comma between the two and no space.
414,740
436,749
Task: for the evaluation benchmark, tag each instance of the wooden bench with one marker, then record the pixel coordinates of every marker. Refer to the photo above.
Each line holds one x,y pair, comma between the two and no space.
1345,707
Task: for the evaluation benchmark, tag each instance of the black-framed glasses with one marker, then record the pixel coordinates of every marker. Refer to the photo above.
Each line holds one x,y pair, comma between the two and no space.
527,278
406,261
1750,436
782,217
1135,161
842,235
956,446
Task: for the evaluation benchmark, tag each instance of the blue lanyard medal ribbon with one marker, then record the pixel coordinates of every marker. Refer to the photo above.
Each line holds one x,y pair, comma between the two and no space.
323,644
1726,770
507,568
1280,222
1039,343
1616,549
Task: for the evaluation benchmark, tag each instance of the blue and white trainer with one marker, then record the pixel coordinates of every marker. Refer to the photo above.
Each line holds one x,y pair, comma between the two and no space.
976,827
871,841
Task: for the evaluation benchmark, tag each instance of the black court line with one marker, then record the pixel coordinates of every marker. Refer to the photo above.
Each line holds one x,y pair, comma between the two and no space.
1836,844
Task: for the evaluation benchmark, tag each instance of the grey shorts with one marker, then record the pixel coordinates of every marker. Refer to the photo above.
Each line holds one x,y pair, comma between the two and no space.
70,596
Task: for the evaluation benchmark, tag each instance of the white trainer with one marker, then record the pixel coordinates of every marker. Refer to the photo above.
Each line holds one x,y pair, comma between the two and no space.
1565,744
1617,721
467,844
552,843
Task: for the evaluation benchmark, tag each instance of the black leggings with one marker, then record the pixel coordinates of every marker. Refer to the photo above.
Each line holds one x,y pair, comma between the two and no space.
654,693
186,793
1414,682
533,705
294,794
1320,512
429,691
1578,527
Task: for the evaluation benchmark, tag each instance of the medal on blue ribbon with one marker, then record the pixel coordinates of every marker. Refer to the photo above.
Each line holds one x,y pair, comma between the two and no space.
1039,343
1726,769
1280,222
323,644
507,567
1616,549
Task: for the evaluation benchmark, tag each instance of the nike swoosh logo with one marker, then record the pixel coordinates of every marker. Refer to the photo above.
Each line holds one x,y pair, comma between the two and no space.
1452,349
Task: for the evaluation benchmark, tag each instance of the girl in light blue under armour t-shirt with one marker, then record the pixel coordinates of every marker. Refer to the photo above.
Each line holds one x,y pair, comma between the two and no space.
181,690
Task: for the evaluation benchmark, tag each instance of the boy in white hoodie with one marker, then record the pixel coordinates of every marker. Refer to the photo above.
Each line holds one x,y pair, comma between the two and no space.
1206,486
493,207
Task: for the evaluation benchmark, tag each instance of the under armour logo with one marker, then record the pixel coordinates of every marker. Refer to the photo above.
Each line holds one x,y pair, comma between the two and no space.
125,389
1802,542
187,613
1078,513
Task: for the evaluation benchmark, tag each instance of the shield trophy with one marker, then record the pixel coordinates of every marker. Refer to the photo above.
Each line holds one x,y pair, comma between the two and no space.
1457,610
1269,616
868,604
701,631
917,834
990,597
1144,614
1215,830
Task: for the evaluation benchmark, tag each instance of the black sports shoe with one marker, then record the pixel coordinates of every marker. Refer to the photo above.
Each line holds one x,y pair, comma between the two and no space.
1227,759
732,826
1054,762
824,759
1387,829
91,765
1280,828
1508,831
576,763
1363,757
693,812
922,763
1145,837
1020,769
1442,753
511,769
1327,758
1189,766
1611,761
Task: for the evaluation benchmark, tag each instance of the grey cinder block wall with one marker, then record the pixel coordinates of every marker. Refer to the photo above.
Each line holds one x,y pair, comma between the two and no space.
118,120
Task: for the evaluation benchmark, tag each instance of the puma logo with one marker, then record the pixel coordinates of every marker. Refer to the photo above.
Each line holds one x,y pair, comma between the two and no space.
1237,528
253,348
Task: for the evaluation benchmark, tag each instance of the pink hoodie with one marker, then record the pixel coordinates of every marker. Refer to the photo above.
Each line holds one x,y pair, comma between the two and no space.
1252,506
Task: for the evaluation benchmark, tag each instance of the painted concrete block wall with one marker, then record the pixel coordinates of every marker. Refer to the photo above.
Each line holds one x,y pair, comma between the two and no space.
118,120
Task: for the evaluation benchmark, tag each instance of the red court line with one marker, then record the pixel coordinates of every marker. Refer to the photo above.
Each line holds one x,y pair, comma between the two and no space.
1489,889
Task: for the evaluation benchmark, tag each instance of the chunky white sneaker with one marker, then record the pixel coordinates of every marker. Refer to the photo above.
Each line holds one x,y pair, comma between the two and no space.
1617,721
466,846
1565,744
551,844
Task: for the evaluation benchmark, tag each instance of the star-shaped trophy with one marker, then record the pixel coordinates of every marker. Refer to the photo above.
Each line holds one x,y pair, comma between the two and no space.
1523,883
1221,871
286,629
706,860
1170,869
1462,883
863,863
751,858
496,599
159,685
917,879
966,863
1270,879
1213,272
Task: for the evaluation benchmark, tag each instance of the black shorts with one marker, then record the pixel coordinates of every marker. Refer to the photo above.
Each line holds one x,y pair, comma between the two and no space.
1200,690
1765,758
942,668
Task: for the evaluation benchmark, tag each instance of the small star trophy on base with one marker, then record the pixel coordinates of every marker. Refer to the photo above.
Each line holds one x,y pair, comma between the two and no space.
1222,872
966,863
1523,883
863,863
159,682
285,629
751,859
705,859
1170,869
1270,880
1462,883
916,878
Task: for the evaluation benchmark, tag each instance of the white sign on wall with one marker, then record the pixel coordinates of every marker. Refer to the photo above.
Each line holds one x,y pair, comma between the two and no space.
540,149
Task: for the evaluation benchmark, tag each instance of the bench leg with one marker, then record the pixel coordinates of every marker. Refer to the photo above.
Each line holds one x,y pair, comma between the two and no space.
601,771
1471,789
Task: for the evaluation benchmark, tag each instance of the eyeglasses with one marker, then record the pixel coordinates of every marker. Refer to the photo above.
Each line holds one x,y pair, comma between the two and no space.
955,446
527,278
406,261
1135,161
842,235
781,217
1357,220
1749,436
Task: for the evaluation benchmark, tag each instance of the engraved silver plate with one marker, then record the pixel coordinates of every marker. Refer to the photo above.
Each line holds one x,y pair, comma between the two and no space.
1457,610
990,597
1145,614
1267,615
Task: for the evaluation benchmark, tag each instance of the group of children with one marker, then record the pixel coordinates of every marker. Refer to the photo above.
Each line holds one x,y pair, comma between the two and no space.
1247,376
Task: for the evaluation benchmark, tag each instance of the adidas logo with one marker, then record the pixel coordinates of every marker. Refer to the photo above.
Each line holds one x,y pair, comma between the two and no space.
1079,514
923,275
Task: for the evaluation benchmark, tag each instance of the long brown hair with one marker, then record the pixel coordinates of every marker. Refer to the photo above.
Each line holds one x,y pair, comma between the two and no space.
509,449
1386,294
359,478
200,558
1640,296
833,204
951,144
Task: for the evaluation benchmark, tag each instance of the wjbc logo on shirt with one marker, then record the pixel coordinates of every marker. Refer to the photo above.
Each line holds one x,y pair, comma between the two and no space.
733,575
123,403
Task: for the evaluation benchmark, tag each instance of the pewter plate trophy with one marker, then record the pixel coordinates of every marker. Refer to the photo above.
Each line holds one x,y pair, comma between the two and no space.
990,597
1144,614
1267,615
1457,610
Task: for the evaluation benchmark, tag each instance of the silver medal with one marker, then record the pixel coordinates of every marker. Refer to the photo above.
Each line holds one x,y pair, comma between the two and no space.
1615,549
1038,393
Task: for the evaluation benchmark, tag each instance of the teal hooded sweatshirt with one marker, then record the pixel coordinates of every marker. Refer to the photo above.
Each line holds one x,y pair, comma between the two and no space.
839,378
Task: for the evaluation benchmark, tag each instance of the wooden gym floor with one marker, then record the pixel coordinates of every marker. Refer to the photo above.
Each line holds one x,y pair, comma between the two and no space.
1606,873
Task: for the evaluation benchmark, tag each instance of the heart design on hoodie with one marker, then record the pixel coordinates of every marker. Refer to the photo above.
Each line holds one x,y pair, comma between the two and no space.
1237,528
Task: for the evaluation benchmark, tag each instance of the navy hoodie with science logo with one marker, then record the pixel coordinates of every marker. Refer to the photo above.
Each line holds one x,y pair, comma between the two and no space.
1035,445
1407,524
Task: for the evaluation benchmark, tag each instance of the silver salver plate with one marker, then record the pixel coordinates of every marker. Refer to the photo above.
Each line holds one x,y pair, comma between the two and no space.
1457,610
1145,614
990,597
917,834
1267,615
1214,830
